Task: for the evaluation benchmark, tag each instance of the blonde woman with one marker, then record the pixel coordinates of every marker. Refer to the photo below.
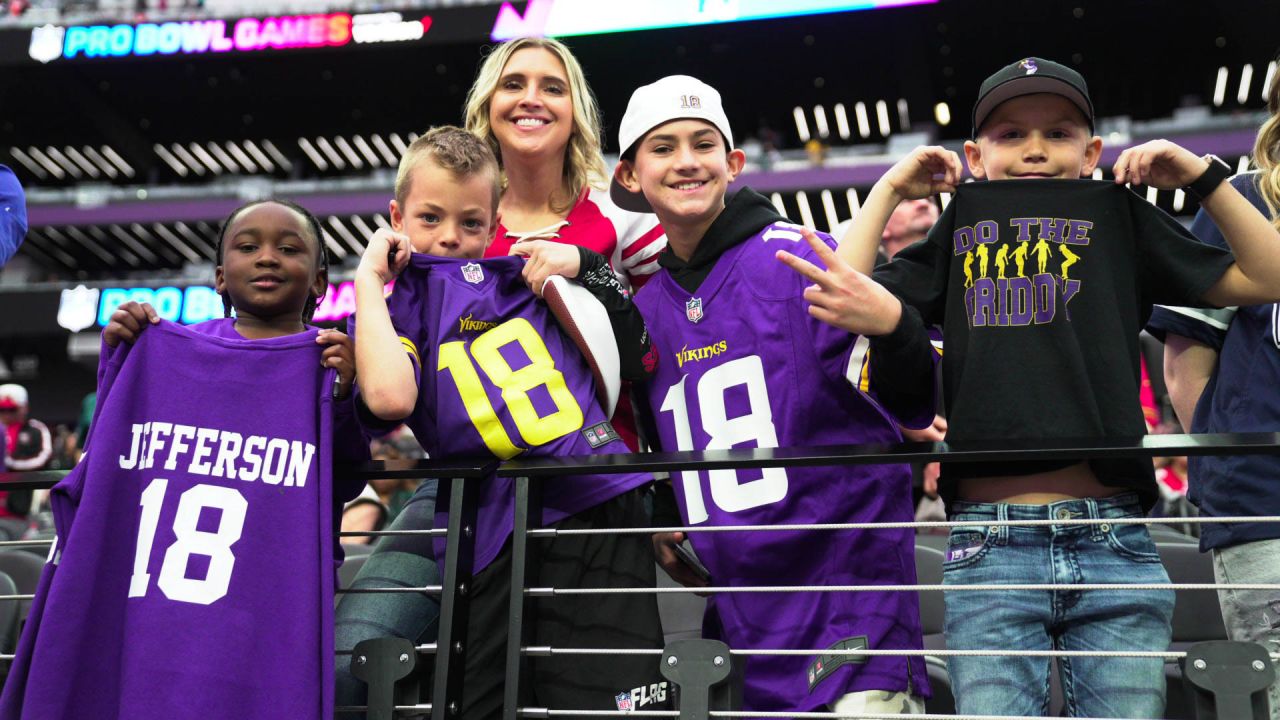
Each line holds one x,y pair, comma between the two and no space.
531,102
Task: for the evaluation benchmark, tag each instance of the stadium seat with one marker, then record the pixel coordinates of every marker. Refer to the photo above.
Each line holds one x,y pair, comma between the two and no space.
24,569
8,615
350,568
681,613
932,616
357,549
1196,617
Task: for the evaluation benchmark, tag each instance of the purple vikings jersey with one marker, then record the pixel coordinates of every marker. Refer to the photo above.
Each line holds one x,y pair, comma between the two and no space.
744,365
497,378
192,574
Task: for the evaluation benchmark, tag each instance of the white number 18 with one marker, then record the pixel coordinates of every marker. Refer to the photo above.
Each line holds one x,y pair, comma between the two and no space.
726,492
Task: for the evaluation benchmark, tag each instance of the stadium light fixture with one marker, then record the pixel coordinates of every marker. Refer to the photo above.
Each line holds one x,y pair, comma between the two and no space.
109,153
188,159
820,121
100,161
802,124
76,157
330,154
64,162
1246,78
942,113
381,145
366,151
829,208
222,157
851,195
241,157
28,162
904,117
842,121
348,152
46,163
260,157
806,214
1220,87
776,199
864,126
882,117
310,151
276,155
335,223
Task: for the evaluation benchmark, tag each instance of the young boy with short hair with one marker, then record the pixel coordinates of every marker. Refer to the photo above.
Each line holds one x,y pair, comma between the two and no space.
746,364
476,366
1049,349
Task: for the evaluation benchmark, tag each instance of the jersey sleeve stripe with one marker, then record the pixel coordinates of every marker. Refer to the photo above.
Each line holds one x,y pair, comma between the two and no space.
857,371
1215,318
644,241
413,351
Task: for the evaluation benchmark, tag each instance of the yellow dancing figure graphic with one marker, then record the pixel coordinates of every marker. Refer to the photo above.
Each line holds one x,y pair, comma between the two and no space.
1042,251
1002,261
968,269
983,254
1020,257
1069,259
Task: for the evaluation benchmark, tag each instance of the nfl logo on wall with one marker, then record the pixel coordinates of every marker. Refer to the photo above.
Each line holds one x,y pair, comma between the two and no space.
78,308
624,702
693,309
472,273
46,43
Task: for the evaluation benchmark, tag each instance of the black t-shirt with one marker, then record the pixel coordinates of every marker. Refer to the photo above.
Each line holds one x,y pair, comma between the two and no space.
1041,288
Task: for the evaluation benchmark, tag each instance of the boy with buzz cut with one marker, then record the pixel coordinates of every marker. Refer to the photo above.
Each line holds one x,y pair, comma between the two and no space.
746,363
1050,350
474,363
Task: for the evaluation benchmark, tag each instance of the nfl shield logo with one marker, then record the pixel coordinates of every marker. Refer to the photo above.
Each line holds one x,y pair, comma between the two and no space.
78,308
46,43
693,309
472,273
624,702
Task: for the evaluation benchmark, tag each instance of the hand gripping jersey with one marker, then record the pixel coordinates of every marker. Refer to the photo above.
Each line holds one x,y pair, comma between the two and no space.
497,378
744,365
192,573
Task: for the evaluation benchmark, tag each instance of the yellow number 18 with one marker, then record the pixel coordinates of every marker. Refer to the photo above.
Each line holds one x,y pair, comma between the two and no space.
515,386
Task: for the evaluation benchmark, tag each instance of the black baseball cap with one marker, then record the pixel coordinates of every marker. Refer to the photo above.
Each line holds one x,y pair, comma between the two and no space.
1028,77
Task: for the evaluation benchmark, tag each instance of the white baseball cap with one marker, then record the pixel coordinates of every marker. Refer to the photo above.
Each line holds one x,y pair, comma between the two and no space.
674,97
12,396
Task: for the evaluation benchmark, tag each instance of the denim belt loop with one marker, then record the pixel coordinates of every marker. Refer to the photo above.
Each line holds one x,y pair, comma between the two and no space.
1002,531
1091,508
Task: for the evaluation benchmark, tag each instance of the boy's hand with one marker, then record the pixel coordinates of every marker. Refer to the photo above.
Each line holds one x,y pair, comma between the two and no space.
1160,164
664,550
841,296
128,321
386,255
927,171
547,258
341,356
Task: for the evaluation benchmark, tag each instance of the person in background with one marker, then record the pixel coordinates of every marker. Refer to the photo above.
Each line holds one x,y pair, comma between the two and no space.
13,214
28,446
1222,367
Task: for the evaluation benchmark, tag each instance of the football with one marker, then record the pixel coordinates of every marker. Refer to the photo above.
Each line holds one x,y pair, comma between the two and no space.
586,322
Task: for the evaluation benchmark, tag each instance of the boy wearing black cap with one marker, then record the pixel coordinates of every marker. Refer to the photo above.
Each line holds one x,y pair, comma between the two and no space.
1049,350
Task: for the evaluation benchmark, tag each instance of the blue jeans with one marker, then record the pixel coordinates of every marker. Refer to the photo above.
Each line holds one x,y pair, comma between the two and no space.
983,554
397,561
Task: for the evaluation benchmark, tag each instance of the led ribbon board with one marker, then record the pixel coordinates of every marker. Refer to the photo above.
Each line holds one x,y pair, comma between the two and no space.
54,42
84,307
560,18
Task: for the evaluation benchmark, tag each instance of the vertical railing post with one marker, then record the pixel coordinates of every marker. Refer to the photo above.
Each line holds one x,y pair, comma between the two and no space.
455,600
528,513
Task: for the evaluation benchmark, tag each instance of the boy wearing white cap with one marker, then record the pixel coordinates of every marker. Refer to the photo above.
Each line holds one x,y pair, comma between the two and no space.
746,363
